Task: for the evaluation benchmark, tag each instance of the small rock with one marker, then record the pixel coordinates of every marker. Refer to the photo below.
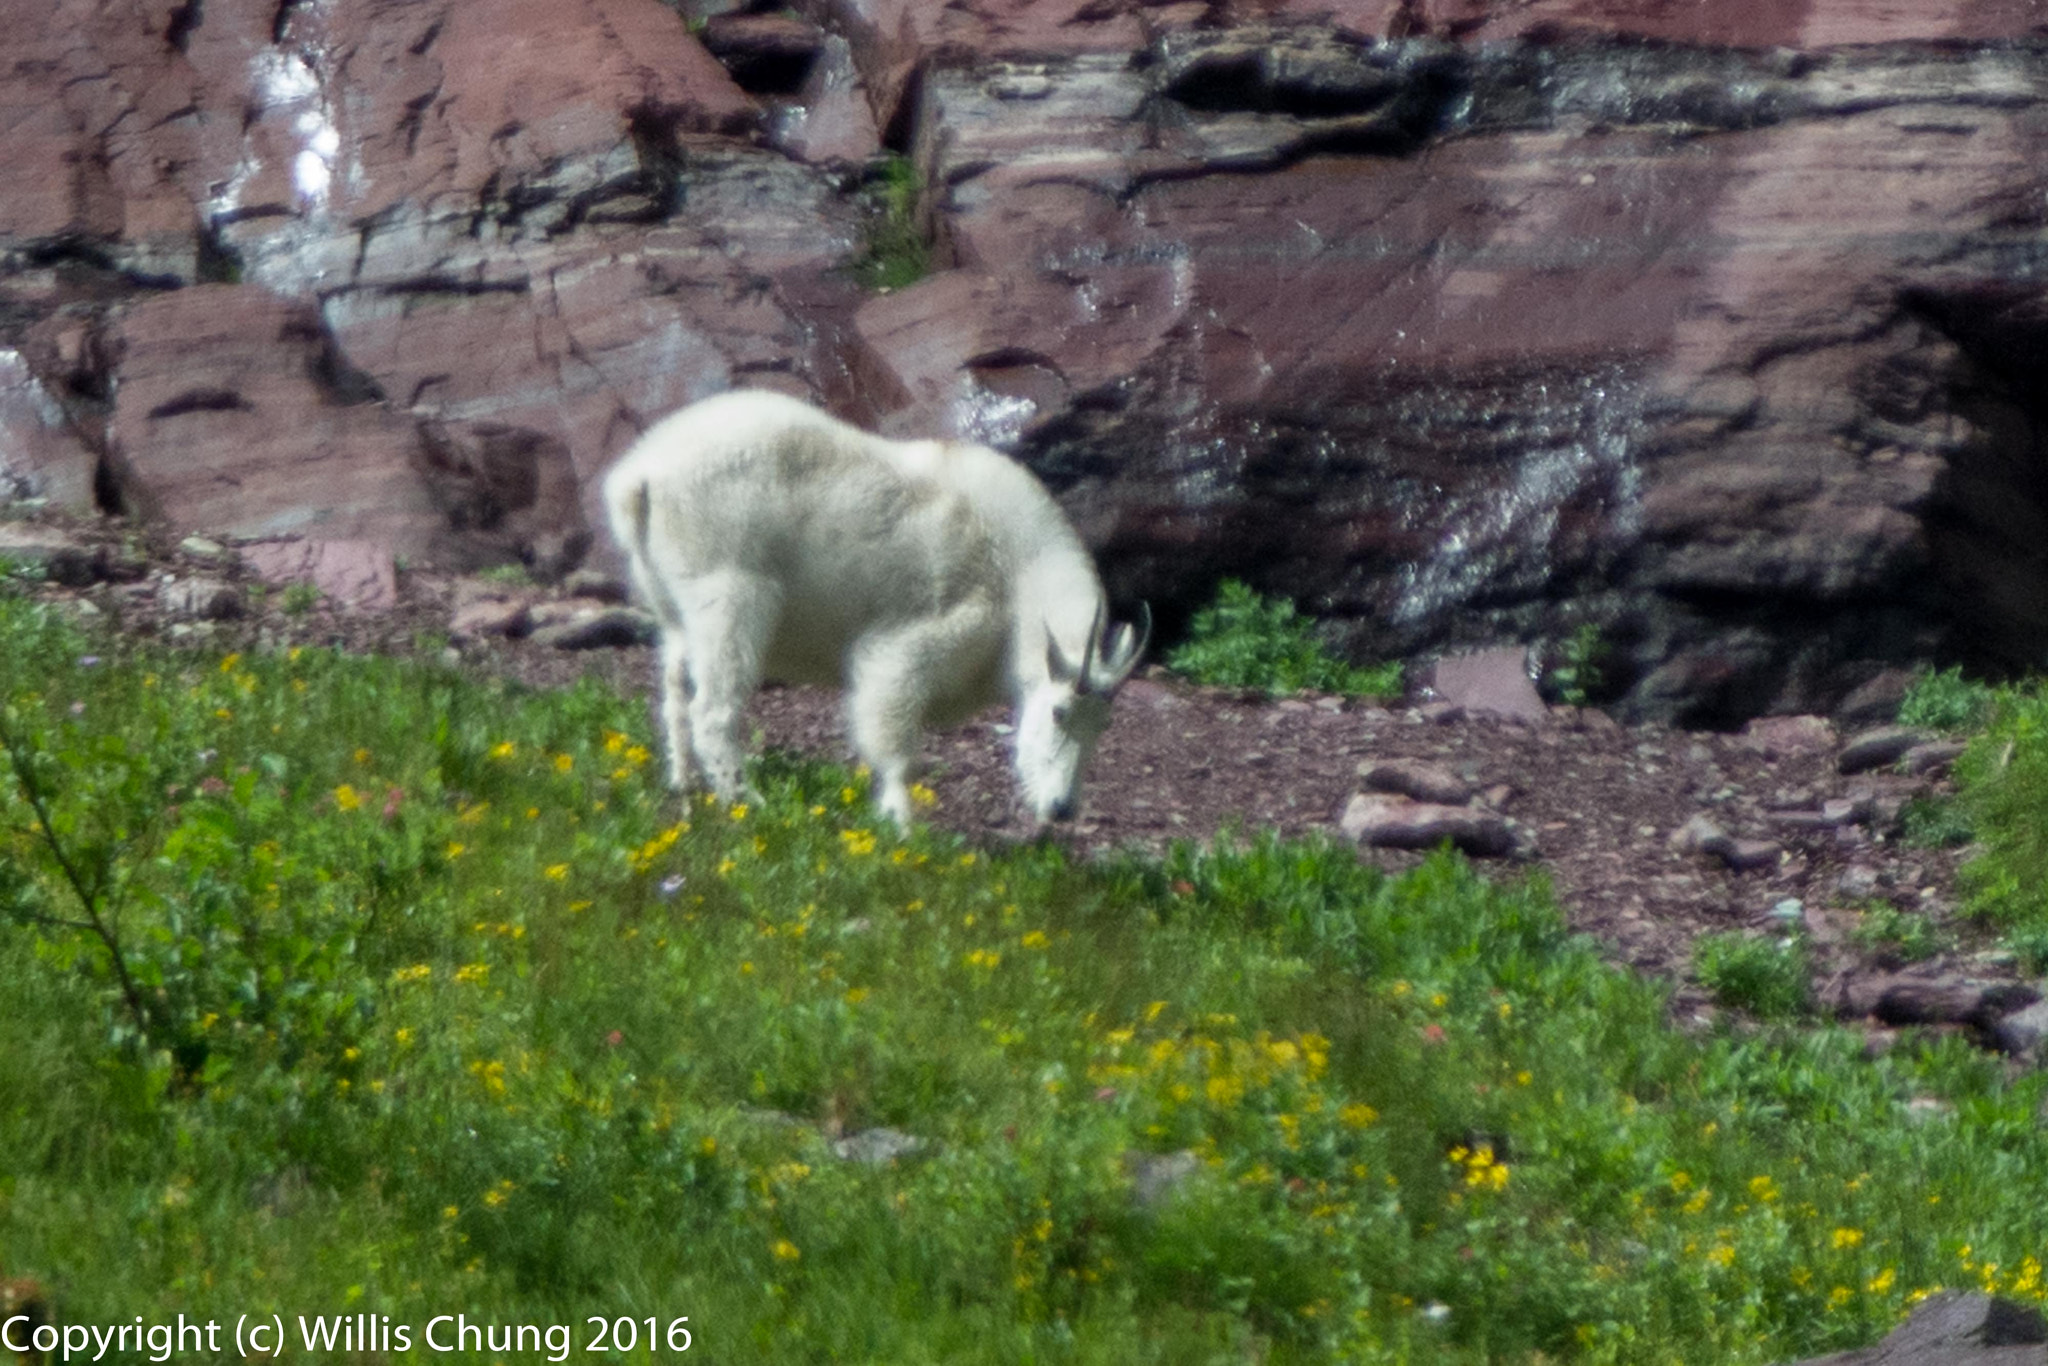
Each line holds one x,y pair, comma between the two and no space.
2021,1032
1417,778
490,617
878,1147
202,548
1749,855
1951,1001
594,583
1858,882
63,558
1385,821
1934,757
1700,835
1847,810
1494,681
1879,748
1790,911
612,627
201,599
1876,702
1157,1176
1778,737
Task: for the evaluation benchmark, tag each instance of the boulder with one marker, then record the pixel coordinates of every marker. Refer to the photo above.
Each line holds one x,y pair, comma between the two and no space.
1417,778
1955,1328
1385,821
354,573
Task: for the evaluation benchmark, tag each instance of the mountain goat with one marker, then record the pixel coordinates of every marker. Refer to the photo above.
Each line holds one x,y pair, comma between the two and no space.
931,578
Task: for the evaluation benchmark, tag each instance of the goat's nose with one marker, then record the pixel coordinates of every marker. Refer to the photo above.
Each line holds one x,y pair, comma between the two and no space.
1063,809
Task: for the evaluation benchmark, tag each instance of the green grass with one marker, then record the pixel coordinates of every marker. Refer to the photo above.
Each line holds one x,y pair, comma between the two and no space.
439,1005
1242,640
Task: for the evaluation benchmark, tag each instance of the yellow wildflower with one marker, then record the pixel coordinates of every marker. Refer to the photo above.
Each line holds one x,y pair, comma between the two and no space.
1357,1115
346,798
786,1251
556,872
1846,1237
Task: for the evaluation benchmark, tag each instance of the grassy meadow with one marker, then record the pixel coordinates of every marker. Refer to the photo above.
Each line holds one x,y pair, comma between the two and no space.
359,986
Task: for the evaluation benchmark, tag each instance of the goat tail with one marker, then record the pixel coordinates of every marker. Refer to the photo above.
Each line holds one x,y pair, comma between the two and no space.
632,516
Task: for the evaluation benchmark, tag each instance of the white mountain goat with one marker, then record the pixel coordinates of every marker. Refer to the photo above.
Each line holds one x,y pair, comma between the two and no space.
932,578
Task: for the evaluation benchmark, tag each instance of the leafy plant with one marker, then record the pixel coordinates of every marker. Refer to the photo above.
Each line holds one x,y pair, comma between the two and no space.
299,598
895,253
1765,977
1946,701
1242,640
1901,934
1931,822
510,574
1579,673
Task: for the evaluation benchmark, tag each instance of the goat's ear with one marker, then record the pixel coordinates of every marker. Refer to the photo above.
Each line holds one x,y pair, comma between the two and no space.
1121,655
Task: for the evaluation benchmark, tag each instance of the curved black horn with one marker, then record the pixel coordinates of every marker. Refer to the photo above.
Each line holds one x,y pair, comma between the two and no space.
1132,641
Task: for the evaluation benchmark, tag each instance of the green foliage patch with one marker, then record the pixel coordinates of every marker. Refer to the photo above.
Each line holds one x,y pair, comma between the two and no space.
1243,640
1946,701
895,253
1763,976
343,985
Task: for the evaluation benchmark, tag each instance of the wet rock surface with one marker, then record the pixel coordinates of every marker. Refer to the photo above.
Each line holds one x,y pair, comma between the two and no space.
1715,328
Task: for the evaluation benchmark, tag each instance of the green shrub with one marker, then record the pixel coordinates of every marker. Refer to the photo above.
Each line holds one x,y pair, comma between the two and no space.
2002,779
1245,641
299,598
1907,935
895,253
1579,675
1765,977
1946,701
1931,822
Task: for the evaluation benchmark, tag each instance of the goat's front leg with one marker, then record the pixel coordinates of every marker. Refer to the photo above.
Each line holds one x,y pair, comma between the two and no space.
884,714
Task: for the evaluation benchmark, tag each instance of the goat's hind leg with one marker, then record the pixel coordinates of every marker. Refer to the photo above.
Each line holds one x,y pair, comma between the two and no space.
729,620
675,706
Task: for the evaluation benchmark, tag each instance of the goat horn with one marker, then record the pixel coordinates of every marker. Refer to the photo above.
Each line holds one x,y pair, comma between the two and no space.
1124,658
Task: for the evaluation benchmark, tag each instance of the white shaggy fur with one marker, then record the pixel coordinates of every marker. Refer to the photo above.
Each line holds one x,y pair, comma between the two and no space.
932,578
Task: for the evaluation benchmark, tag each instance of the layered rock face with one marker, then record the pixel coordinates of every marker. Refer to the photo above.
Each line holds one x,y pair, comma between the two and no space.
1714,325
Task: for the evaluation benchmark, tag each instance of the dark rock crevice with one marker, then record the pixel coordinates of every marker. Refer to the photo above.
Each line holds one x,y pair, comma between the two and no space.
1987,520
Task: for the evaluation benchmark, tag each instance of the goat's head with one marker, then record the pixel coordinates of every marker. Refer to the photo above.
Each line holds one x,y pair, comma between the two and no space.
1062,715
